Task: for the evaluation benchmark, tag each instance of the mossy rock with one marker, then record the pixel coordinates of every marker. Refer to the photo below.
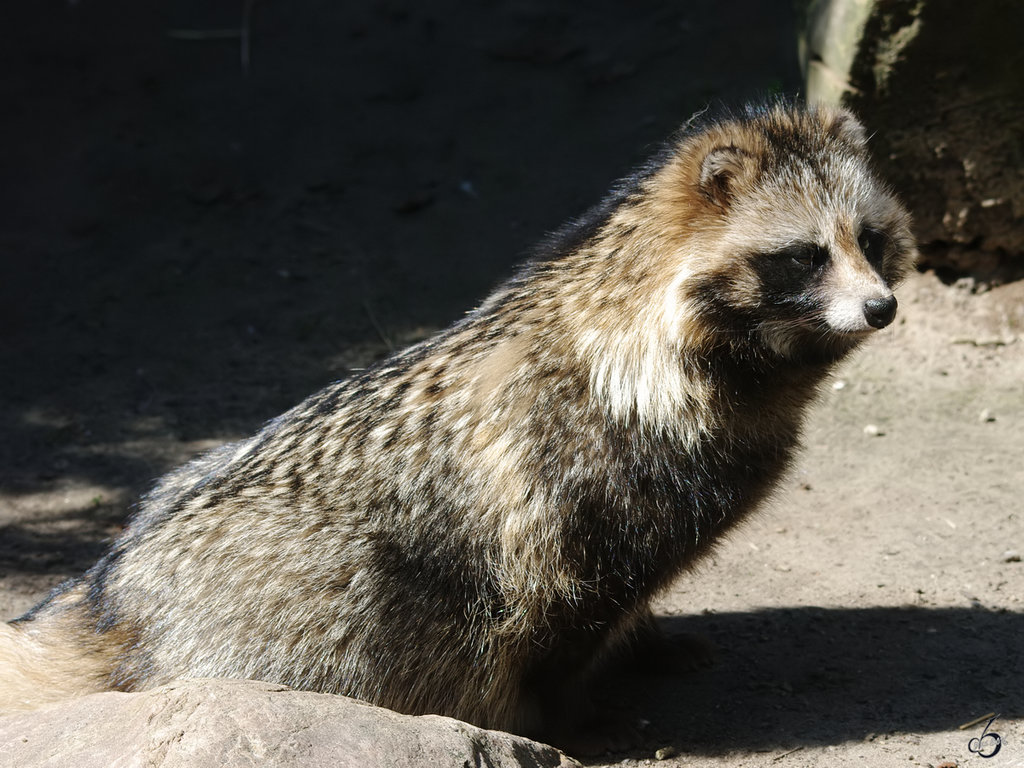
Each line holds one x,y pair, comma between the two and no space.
940,84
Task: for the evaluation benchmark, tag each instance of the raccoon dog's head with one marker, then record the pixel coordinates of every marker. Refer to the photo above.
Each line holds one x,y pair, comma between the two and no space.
807,244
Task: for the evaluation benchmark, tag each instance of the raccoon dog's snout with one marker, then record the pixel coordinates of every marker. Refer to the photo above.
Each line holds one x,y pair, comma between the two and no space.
880,312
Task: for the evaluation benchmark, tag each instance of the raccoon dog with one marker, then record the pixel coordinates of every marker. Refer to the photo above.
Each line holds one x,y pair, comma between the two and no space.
467,527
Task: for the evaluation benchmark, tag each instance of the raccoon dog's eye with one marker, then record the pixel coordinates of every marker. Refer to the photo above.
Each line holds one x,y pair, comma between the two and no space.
809,256
872,245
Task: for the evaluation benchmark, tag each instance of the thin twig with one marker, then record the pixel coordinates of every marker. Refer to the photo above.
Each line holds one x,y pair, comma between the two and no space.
243,34
975,721
786,754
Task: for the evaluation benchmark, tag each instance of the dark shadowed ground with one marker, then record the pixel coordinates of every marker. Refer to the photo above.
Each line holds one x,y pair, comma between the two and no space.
190,246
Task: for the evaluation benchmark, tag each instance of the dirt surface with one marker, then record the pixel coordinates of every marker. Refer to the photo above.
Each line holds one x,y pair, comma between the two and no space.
191,246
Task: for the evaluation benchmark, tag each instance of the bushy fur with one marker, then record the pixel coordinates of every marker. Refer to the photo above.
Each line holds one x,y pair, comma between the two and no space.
466,527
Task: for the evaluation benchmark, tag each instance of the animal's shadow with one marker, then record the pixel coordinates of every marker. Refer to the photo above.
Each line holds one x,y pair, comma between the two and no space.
785,678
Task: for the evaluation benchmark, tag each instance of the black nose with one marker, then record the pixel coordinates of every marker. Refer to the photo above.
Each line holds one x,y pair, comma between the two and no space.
880,312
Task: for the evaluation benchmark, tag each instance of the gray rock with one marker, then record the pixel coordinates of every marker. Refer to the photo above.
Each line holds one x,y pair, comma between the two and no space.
198,723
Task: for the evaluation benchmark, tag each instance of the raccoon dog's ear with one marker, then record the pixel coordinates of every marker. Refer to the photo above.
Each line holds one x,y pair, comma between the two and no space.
724,173
847,127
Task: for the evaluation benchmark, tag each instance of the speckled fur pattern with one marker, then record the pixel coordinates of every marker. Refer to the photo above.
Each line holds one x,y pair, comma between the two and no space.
466,527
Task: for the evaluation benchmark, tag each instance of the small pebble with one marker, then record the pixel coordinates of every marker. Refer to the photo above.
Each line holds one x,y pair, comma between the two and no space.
665,753
986,415
873,430
1011,556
